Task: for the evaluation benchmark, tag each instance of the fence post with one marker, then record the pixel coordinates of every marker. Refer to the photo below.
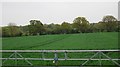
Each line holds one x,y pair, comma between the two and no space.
15,58
100,58
65,55
56,59
43,55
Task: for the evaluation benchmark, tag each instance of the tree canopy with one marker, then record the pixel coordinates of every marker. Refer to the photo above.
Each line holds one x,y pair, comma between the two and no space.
80,25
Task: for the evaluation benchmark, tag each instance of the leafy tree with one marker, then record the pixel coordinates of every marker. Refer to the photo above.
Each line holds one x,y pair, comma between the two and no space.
109,18
57,29
53,28
92,27
66,27
6,32
99,27
81,24
14,30
36,27
11,30
110,22
25,30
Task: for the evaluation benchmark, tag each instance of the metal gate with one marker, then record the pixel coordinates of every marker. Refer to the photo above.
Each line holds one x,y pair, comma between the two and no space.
16,53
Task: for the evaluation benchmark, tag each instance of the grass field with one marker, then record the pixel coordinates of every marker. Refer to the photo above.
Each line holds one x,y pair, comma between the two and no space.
106,40
63,41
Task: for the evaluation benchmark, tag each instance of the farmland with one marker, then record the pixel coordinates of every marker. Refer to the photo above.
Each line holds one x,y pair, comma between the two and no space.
106,40
63,41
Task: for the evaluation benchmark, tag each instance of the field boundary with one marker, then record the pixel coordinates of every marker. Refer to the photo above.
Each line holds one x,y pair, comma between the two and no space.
16,53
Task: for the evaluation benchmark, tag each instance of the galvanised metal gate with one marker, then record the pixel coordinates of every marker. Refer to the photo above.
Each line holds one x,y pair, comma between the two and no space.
99,53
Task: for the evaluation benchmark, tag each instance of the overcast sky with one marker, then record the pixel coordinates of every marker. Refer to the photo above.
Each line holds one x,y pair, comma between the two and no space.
56,12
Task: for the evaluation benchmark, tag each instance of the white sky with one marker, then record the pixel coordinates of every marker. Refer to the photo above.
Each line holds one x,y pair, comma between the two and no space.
56,12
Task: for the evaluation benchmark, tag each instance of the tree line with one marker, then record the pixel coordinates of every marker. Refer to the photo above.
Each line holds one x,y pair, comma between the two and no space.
80,25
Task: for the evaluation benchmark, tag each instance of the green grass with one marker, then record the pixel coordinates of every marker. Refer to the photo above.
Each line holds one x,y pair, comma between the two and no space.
64,41
106,40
